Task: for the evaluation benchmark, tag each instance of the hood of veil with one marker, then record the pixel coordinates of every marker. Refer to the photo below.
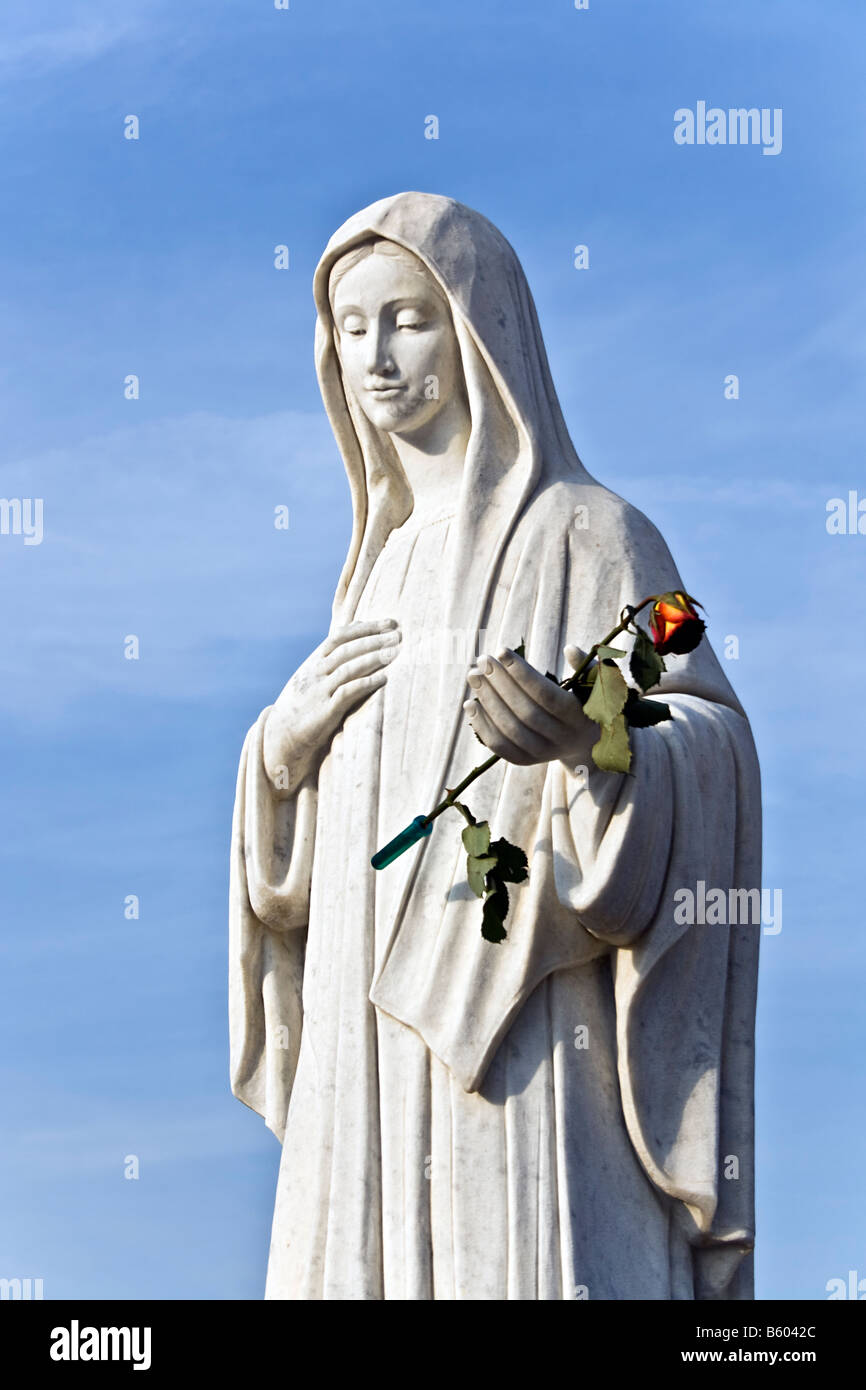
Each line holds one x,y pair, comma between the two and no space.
518,435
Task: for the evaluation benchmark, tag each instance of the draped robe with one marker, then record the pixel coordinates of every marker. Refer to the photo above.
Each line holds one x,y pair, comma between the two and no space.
555,1116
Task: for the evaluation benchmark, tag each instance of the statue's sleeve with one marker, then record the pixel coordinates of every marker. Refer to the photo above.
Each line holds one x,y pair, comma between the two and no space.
635,857
271,869
627,850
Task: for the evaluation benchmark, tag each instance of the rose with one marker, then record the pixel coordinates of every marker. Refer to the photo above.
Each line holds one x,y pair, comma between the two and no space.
674,624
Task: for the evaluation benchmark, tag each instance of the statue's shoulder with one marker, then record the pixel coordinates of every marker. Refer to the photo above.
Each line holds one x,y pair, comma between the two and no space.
584,505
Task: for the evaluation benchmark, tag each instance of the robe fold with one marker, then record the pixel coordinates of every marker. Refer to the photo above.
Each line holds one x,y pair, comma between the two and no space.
568,1114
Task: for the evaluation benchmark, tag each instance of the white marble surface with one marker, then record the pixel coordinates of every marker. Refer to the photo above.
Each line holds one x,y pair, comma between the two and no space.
446,1134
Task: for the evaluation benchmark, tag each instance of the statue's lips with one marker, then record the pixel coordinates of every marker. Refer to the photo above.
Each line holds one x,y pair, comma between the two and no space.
384,393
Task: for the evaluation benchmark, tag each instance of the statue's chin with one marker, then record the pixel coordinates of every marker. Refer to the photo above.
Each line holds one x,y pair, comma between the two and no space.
401,414
393,419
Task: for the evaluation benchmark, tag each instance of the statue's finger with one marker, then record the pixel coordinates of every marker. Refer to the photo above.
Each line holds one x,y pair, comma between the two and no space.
491,737
366,627
573,655
347,652
537,686
370,663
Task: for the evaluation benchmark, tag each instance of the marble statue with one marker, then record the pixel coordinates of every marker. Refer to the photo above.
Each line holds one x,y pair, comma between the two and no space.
569,1113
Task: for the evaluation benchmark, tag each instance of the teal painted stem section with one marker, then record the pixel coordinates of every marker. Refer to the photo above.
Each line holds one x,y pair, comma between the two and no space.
405,840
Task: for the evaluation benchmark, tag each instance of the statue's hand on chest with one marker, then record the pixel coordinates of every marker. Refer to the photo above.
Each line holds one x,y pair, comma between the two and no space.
339,675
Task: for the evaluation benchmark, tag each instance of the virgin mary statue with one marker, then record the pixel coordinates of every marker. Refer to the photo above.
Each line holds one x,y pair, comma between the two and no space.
567,1113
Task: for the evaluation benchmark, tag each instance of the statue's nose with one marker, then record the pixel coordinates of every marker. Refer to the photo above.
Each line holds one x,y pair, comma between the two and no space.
379,361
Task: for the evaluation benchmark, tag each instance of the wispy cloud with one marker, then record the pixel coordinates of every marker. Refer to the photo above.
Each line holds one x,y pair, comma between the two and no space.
166,530
155,1134
88,32
737,493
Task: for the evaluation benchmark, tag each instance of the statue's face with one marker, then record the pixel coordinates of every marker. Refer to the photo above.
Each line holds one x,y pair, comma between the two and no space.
396,342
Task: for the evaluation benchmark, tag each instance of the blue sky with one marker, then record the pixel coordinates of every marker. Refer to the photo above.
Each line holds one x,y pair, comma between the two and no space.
155,257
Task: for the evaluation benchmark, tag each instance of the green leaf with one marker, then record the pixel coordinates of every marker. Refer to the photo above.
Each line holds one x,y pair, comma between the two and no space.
521,650
476,838
513,866
493,915
646,665
610,651
642,714
608,696
477,868
612,753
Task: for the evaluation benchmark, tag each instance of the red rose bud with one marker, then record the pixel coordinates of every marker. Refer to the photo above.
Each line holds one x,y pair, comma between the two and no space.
674,624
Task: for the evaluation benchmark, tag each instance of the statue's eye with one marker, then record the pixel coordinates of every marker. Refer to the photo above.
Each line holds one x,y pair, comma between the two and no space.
410,320
353,326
